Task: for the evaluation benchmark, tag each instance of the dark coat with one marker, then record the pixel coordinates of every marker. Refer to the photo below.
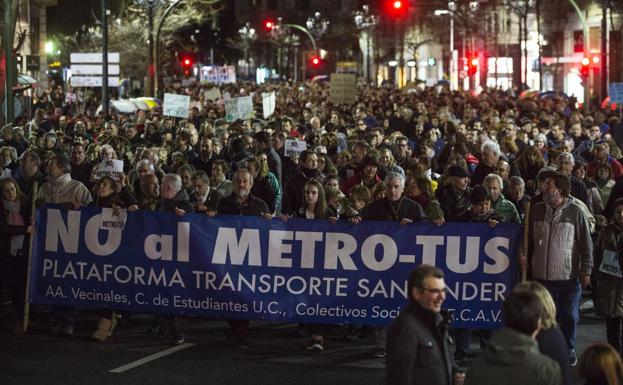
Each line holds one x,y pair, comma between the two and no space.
180,201
513,358
418,349
293,194
6,230
552,344
609,289
454,203
211,201
381,210
481,171
274,164
264,190
230,206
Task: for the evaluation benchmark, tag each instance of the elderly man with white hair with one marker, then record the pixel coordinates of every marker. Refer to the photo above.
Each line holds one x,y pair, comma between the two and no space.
494,184
173,198
490,154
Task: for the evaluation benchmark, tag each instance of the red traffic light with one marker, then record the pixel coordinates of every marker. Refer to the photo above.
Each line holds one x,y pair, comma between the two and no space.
187,62
269,25
472,65
584,68
396,8
315,61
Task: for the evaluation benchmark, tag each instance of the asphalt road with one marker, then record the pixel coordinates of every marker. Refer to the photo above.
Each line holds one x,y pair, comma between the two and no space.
276,355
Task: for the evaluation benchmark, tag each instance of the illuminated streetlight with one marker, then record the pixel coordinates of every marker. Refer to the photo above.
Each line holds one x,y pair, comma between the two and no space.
49,47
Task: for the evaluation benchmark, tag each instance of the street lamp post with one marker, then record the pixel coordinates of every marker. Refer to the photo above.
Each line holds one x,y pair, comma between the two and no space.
278,33
166,13
150,5
247,36
365,22
317,25
453,53
105,98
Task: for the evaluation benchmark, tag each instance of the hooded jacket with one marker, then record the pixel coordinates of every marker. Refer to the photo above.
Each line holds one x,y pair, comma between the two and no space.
513,358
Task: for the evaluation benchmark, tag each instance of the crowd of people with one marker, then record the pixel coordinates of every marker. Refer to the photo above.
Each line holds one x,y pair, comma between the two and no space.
429,154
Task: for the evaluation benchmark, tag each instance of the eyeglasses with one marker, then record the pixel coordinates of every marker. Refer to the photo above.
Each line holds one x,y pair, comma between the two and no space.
434,291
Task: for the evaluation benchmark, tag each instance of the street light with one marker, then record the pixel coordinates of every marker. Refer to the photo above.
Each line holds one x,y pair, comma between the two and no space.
317,25
365,22
279,32
247,35
49,47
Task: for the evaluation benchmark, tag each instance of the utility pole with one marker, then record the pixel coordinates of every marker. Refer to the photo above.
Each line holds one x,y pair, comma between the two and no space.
9,80
105,99
604,49
538,30
150,47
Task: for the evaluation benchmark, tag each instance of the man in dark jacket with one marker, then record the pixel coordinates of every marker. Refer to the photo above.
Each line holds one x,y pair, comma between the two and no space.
241,202
395,207
454,196
418,344
293,194
512,356
174,198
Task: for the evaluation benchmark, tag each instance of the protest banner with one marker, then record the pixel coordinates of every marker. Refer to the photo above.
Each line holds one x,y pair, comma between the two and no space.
268,103
217,75
239,108
110,168
615,91
309,271
343,88
294,146
176,105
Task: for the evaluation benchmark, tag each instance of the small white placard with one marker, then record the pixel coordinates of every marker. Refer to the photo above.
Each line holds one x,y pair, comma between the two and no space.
212,94
176,105
610,264
110,168
114,222
268,103
294,146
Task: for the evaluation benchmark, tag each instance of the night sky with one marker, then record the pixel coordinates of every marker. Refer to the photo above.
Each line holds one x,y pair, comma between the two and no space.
69,15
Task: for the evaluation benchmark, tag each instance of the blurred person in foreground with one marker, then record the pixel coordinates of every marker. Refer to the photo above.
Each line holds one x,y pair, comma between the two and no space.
512,355
418,344
601,365
550,339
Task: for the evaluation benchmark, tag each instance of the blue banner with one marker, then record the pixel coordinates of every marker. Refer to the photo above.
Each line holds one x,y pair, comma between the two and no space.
309,271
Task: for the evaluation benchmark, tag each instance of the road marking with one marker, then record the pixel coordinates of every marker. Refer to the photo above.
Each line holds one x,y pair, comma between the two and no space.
153,357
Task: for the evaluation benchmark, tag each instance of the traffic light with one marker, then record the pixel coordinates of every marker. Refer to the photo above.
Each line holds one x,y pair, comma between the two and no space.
269,25
396,9
187,64
316,61
472,66
584,67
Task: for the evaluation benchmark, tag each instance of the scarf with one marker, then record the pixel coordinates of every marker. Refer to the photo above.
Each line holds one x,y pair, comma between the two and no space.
14,218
